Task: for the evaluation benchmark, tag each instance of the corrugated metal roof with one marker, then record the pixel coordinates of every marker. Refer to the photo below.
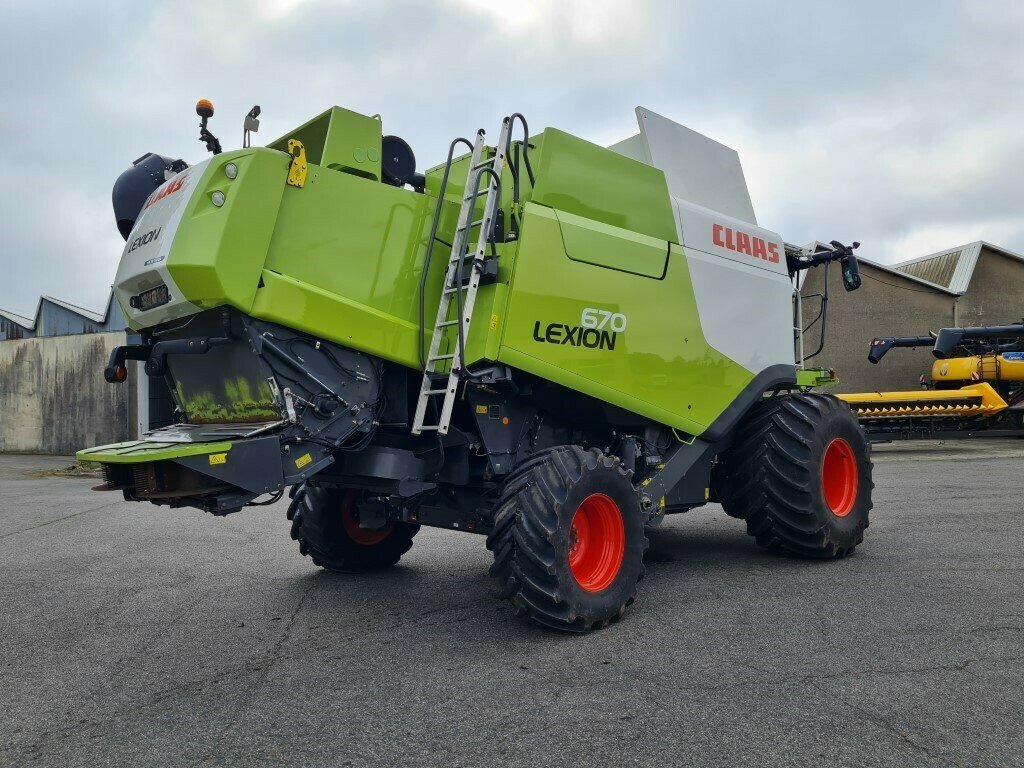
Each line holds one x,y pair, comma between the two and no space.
24,322
94,316
954,267
907,276
938,269
111,318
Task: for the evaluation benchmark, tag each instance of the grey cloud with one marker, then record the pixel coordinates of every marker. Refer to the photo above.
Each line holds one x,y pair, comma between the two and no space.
897,124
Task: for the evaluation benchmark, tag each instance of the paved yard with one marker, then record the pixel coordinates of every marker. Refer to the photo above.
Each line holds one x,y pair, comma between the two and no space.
134,635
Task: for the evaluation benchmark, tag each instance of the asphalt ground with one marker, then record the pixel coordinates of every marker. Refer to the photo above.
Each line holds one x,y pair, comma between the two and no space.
134,635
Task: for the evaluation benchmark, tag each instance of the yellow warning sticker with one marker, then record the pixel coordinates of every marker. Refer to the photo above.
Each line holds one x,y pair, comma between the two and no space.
218,458
481,409
303,460
494,323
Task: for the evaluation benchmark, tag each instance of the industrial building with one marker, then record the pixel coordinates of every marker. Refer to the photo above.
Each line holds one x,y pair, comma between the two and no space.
974,284
54,317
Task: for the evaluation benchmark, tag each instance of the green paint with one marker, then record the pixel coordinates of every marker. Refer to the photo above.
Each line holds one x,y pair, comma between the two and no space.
816,377
341,259
603,245
139,452
661,365
218,252
578,177
336,138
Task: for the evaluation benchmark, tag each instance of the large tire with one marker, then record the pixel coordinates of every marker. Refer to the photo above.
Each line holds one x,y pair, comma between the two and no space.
325,523
799,474
568,539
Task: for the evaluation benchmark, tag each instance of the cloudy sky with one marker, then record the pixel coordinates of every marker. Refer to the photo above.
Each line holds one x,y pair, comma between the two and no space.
899,124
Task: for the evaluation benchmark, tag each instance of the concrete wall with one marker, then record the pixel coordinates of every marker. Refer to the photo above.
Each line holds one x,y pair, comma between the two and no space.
53,398
887,304
995,295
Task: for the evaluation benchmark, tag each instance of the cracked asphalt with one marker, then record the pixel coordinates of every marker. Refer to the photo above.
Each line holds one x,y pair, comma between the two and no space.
135,635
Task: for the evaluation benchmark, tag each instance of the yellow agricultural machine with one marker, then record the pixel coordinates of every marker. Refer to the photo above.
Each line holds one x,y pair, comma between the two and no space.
976,388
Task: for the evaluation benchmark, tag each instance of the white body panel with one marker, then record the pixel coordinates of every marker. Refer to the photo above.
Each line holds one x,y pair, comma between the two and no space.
741,284
721,235
740,277
746,313
144,259
697,169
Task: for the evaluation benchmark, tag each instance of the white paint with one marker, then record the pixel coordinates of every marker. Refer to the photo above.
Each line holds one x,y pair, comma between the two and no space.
145,266
697,168
746,313
138,375
740,278
697,230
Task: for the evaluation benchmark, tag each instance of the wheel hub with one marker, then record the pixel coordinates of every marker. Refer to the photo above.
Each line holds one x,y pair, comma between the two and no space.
597,543
366,537
840,477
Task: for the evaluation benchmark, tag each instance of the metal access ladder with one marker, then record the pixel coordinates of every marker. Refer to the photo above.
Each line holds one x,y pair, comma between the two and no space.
441,373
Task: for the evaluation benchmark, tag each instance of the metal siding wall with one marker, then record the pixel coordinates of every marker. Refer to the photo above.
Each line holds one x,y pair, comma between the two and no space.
55,320
994,294
10,330
115,317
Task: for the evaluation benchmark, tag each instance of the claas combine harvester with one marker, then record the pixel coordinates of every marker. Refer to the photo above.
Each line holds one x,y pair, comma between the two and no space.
976,387
542,340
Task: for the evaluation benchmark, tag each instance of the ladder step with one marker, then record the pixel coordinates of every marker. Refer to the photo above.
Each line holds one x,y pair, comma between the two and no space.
438,383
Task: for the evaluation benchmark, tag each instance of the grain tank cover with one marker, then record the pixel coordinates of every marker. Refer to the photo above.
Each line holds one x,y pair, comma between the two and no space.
698,169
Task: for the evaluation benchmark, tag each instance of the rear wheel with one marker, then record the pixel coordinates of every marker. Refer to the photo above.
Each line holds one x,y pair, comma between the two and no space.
325,522
568,539
799,473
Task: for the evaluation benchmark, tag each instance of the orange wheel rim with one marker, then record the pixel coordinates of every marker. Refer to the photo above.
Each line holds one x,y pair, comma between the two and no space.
597,543
366,537
839,477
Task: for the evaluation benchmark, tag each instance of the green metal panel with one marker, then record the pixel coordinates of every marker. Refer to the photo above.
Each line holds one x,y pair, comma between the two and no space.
604,245
660,366
581,178
345,261
341,140
218,251
138,452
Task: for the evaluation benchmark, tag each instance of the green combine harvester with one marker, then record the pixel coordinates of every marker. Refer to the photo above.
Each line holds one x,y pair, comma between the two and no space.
544,341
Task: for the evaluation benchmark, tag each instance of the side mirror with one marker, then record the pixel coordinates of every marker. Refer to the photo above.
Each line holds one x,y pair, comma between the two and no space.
851,272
